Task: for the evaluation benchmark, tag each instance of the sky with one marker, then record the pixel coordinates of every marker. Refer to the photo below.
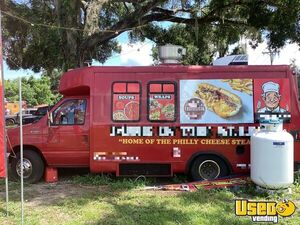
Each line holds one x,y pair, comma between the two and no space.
285,56
139,54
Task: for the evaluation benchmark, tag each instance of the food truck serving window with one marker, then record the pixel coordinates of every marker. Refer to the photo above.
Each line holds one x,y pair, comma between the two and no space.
161,101
126,101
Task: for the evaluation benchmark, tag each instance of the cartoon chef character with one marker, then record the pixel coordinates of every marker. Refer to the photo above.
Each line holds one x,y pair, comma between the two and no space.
271,97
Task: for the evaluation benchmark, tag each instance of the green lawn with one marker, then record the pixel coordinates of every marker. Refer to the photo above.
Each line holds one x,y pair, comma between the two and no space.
96,199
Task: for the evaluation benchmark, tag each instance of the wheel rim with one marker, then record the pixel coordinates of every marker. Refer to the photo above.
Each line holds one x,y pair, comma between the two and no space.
9,123
209,169
27,168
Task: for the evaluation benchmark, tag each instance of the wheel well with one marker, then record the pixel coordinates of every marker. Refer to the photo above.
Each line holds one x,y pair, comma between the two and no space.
16,150
194,156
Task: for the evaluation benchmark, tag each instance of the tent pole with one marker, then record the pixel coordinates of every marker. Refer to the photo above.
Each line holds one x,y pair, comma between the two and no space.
6,185
21,150
6,180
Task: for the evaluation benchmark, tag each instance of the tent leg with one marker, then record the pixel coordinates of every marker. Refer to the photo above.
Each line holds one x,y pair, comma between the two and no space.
6,196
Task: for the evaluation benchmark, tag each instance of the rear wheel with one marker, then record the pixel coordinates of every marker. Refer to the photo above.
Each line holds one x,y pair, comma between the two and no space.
33,166
208,167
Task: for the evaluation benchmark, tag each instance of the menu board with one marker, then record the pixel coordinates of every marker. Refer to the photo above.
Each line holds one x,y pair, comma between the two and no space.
126,107
161,107
216,101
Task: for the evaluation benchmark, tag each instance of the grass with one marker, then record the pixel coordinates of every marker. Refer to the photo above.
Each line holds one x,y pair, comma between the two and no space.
101,199
124,183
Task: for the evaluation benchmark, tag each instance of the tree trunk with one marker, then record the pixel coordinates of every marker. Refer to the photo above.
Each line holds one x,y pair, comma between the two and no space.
91,25
92,11
69,16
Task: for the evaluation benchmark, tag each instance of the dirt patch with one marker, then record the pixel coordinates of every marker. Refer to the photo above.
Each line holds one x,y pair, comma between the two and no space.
48,194
45,193
53,193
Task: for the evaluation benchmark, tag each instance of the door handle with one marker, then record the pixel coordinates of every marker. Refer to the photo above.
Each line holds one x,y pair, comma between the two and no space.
85,139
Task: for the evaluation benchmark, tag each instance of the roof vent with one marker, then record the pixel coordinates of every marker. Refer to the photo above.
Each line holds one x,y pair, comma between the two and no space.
231,60
171,54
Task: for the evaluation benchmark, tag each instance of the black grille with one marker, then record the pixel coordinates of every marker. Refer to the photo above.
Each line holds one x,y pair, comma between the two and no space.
148,169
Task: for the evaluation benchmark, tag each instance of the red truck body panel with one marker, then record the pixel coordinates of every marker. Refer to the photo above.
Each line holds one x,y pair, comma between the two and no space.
104,144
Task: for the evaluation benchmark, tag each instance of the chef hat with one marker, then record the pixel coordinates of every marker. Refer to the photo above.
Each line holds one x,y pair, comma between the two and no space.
270,86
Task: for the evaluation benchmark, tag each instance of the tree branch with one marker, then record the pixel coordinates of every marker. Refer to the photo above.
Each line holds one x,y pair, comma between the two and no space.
127,23
84,4
130,1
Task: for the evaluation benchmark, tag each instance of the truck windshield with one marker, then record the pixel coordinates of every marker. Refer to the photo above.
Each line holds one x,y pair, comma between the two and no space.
70,112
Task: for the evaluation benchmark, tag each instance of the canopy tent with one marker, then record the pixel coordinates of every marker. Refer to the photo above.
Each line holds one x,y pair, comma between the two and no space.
2,119
3,155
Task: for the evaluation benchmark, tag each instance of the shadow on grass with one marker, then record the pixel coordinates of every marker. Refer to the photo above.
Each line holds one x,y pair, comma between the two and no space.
148,213
182,208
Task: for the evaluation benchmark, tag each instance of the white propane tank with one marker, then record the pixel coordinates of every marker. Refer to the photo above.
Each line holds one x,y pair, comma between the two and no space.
272,157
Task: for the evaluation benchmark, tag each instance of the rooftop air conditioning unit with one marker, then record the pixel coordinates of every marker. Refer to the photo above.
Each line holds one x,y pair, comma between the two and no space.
171,54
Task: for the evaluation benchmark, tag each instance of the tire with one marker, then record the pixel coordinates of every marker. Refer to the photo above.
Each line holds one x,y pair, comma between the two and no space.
9,122
33,166
208,167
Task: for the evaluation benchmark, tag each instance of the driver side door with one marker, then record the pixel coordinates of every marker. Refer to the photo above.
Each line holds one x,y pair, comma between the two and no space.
68,134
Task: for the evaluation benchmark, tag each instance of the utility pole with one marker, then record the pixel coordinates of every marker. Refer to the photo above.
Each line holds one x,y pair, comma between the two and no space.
272,54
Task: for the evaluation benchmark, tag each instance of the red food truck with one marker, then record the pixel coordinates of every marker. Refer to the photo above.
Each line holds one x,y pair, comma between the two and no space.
158,120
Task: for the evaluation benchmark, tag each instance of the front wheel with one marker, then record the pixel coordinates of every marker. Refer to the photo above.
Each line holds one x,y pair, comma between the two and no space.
33,166
208,167
9,122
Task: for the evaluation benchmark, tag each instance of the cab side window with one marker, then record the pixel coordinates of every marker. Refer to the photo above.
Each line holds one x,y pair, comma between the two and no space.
71,112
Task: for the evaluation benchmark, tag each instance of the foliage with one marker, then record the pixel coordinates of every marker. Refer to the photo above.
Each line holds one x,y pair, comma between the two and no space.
60,34
54,78
34,91
201,44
